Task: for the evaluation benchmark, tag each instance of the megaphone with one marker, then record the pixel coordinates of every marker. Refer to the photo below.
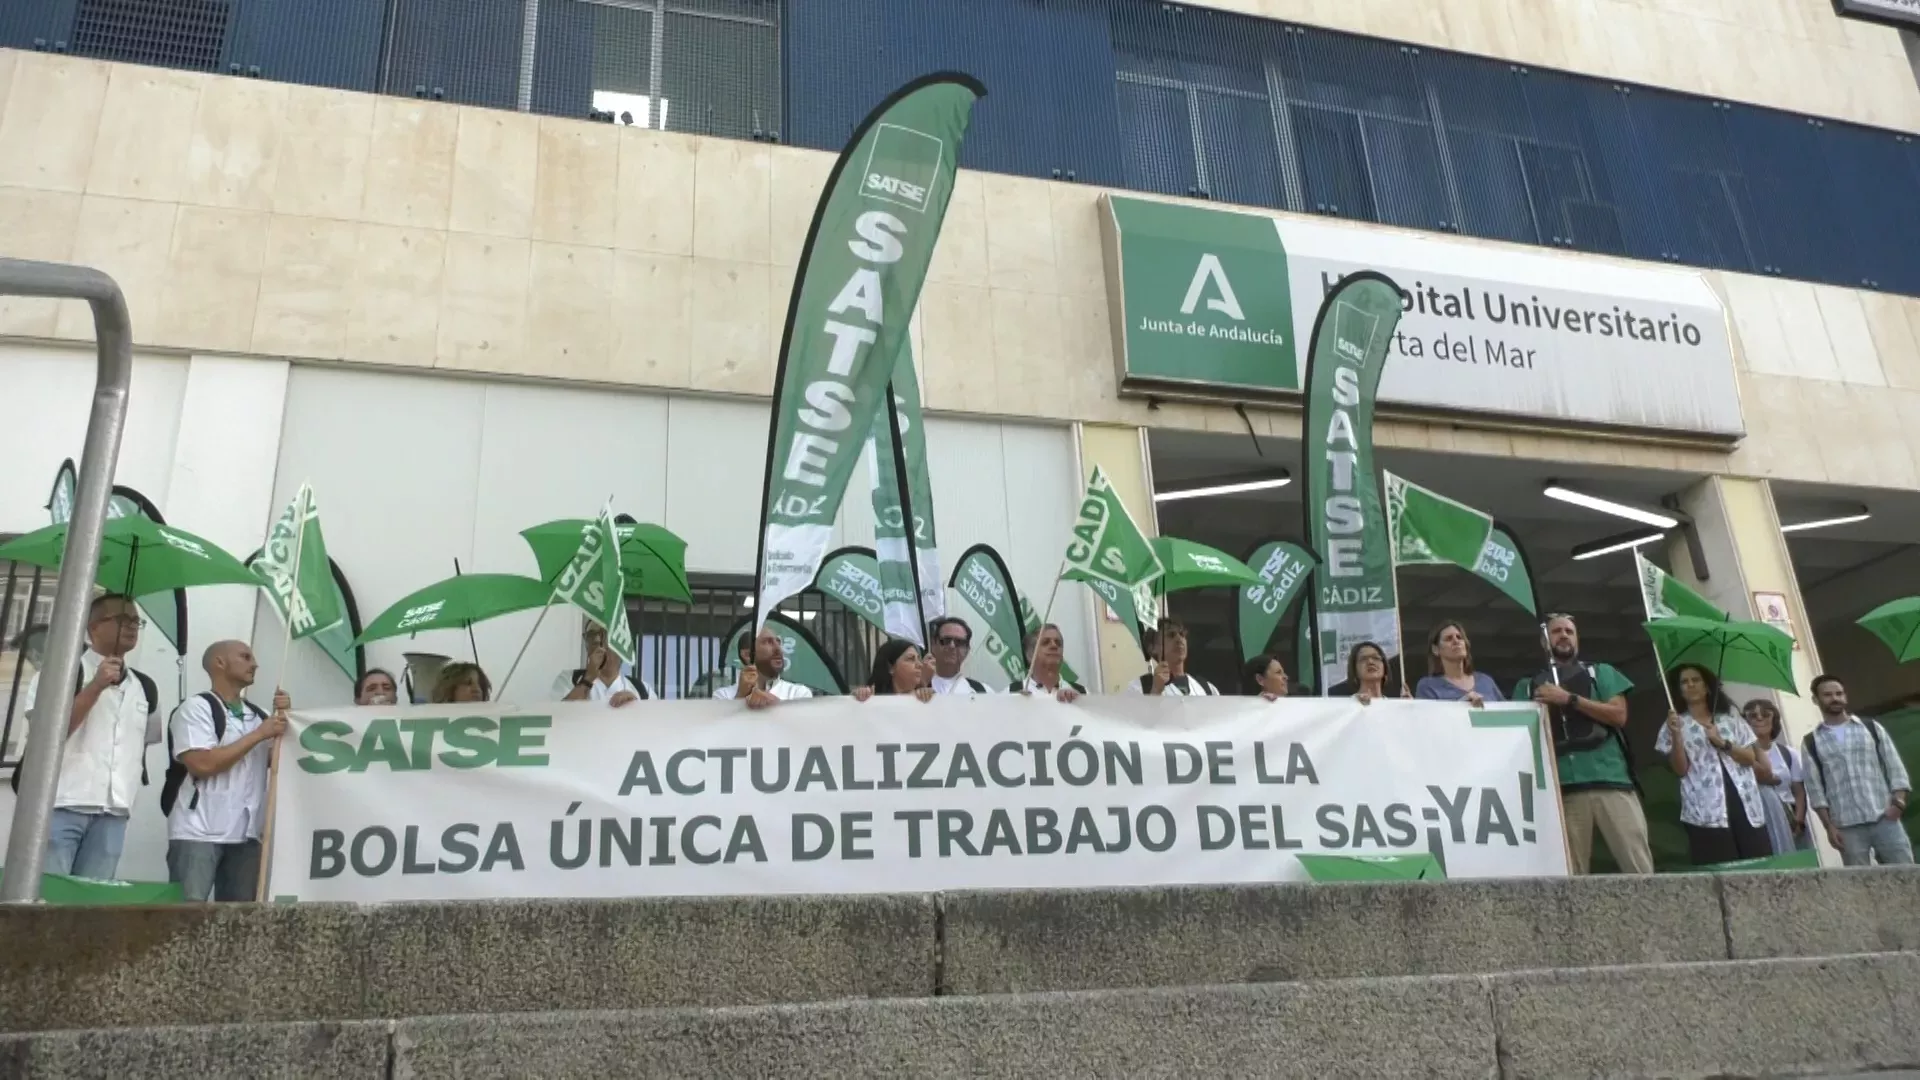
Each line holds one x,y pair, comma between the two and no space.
423,670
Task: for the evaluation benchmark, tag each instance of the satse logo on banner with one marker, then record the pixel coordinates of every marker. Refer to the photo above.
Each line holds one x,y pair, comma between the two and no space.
901,166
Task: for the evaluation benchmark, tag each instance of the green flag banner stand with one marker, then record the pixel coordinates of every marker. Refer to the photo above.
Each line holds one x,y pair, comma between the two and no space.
1420,867
67,890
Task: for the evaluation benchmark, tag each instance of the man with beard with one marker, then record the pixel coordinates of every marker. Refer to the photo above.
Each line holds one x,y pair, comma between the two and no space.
1587,717
762,658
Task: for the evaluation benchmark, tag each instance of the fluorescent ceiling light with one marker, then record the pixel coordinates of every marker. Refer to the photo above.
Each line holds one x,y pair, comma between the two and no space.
1607,506
1616,543
1825,522
1223,489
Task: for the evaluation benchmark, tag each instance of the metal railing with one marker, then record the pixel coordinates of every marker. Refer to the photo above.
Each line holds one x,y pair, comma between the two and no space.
106,422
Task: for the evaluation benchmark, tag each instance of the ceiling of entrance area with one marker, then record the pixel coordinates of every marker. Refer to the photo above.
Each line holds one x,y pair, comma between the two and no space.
1848,570
1600,591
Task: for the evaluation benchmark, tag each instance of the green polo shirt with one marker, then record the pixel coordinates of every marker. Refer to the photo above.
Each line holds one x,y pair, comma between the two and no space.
1604,766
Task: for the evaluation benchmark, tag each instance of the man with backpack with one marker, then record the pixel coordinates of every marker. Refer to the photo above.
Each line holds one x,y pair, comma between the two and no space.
115,718
1587,718
215,795
951,640
1856,782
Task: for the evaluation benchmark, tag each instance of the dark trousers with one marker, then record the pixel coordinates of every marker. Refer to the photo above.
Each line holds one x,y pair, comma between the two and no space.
1741,839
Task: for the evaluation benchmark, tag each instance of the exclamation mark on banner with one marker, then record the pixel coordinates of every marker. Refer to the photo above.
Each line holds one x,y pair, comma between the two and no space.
1526,806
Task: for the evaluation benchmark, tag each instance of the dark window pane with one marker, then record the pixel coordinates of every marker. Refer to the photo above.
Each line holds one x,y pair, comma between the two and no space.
1333,162
1405,167
1158,133
1236,136
719,77
466,50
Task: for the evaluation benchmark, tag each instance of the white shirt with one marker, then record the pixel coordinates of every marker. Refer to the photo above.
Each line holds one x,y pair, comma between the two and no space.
1788,768
1180,687
1033,687
100,764
956,685
225,808
563,682
601,691
780,688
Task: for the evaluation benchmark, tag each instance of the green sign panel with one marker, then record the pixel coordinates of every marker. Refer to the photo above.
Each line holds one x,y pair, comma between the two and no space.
1203,296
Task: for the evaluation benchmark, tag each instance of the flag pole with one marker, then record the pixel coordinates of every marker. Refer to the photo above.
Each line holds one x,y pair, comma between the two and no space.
909,525
501,695
305,498
1640,565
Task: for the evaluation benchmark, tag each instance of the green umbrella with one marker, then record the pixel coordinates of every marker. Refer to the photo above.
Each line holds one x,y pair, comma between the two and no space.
1197,566
456,603
652,559
138,557
1737,651
1897,623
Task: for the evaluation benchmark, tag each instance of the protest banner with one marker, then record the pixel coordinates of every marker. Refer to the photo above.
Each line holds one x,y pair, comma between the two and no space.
837,796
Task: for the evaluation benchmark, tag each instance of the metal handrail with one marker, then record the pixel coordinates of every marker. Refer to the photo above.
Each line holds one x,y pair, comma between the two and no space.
40,766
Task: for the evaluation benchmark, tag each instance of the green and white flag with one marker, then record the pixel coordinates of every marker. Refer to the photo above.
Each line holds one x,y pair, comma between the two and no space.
859,280
1664,595
982,579
1106,544
1502,566
295,571
851,575
908,560
1345,524
593,583
1128,605
1430,529
1284,571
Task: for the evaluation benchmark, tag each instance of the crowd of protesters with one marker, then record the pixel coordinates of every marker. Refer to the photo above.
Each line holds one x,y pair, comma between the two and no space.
1745,790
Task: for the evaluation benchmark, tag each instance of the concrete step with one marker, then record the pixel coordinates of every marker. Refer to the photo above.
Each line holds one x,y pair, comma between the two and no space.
74,968
1759,1018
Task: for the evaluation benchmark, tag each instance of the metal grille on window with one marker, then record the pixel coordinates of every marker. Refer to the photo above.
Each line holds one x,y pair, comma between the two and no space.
26,608
187,34
683,646
708,67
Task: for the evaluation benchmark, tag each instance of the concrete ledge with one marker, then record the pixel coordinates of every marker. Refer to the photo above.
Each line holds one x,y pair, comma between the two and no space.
72,967
1825,914
325,1051
1735,1018
1017,941
426,959
1382,1028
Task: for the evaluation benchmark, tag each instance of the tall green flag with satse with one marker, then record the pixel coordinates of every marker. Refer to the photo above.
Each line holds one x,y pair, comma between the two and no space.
859,280
592,582
1345,523
1502,566
910,582
295,571
851,575
1284,570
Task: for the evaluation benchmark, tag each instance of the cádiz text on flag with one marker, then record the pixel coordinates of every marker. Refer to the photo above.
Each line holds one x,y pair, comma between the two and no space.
998,791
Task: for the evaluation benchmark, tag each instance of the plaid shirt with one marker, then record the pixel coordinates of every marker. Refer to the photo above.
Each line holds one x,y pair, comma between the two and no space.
1849,780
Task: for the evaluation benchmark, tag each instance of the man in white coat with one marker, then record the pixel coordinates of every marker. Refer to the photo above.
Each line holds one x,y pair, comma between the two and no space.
115,718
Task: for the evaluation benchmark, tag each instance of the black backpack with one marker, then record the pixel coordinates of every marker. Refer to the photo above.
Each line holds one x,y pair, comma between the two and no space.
1879,748
153,702
176,772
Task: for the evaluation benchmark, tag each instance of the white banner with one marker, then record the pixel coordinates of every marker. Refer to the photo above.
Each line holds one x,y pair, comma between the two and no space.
684,798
